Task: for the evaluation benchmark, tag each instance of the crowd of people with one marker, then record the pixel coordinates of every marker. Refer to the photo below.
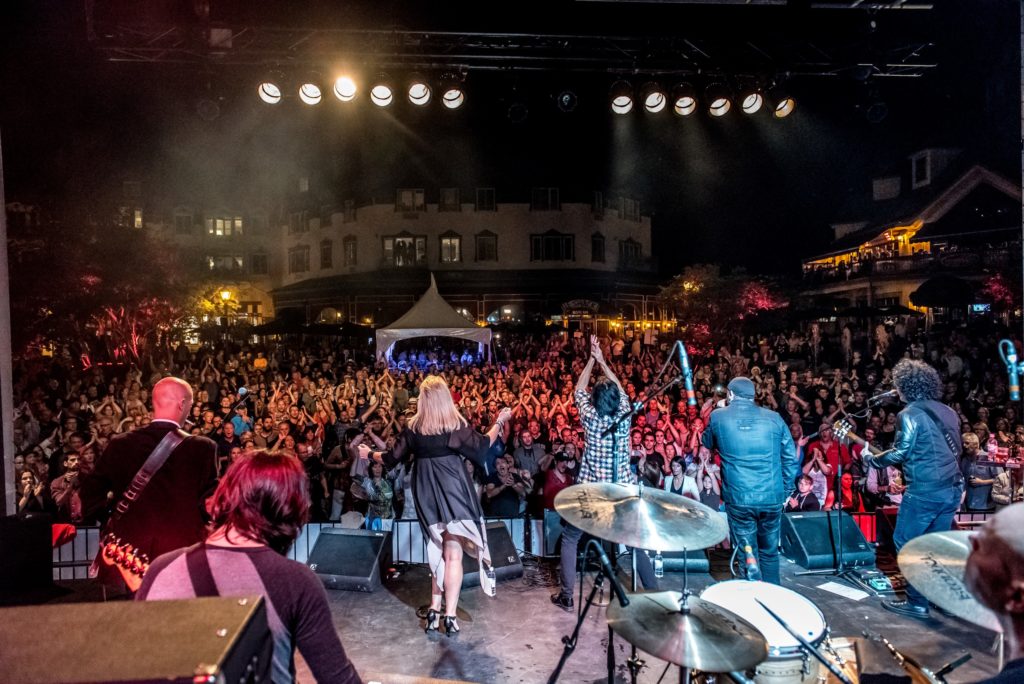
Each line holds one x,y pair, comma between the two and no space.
319,403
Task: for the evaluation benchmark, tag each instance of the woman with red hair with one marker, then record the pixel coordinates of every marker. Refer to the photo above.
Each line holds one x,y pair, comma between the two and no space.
258,509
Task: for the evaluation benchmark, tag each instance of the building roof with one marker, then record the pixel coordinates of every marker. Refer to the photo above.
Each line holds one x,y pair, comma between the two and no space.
985,211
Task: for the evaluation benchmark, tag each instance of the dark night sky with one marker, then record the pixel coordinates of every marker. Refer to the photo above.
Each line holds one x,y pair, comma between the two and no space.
753,192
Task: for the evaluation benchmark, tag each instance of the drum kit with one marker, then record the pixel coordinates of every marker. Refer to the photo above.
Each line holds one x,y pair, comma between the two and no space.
738,630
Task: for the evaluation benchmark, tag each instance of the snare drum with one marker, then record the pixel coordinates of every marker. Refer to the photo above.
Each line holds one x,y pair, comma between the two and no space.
787,663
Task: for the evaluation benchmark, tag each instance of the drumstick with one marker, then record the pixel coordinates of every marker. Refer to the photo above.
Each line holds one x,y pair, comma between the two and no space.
839,674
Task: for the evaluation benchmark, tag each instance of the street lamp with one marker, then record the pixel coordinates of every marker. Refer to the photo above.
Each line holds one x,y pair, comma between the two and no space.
225,296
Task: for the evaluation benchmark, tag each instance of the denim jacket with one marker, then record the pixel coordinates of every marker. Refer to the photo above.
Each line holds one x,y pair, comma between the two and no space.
759,465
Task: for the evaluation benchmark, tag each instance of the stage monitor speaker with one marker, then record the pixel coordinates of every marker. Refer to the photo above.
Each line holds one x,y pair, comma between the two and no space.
224,639
811,540
351,560
507,564
26,556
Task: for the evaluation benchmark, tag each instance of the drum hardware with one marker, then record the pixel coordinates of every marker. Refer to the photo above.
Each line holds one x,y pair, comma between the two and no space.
808,648
571,641
912,668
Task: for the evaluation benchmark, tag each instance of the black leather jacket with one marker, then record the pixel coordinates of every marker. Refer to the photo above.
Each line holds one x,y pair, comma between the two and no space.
929,466
759,465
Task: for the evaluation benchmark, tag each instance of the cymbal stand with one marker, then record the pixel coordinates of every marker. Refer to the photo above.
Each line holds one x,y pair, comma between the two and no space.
684,609
570,641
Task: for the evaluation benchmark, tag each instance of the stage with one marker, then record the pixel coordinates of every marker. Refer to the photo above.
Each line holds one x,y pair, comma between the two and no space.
517,636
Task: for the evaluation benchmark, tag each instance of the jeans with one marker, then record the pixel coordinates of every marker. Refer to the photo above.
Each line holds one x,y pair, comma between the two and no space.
570,550
760,527
920,514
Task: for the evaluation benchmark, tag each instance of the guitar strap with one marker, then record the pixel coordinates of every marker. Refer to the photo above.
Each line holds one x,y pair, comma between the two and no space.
153,463
953,444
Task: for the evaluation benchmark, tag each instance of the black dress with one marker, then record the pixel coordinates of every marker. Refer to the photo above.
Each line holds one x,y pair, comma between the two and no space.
443,493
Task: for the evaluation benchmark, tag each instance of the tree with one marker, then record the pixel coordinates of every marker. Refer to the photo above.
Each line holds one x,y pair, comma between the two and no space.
106,290
713,304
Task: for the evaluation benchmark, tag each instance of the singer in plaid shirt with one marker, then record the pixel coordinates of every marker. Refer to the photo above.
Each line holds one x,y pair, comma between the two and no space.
598,463
598,410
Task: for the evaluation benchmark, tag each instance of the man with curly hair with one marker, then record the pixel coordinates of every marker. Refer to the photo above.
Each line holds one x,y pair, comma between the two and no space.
927,446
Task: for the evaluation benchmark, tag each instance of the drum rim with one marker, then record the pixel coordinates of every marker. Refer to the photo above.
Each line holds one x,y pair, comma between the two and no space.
780,653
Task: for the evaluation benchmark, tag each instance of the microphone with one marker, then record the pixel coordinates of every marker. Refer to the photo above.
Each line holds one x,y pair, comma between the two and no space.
620,593
883,396
1008,352
243,396
684,362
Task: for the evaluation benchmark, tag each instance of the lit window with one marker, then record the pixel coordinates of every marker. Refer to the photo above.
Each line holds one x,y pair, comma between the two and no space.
402,251
451,248
138,219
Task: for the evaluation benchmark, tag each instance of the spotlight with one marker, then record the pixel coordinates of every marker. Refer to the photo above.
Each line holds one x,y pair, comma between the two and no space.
782,103
719,99
452,94
382,94
751,100
270,88
419,90
653,97
518,112
566,101
345,88
876,111
622,97
684,99
309,91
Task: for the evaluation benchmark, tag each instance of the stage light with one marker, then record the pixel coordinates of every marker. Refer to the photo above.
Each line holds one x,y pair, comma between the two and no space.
566,101
270,88
684,99
345,88
653,97
309,91
751,100
781,102
622,97
419,90
518,112
452,94
719,99
876,111
381,93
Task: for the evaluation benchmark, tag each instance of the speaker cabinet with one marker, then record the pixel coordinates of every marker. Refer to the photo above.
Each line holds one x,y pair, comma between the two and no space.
223,639
26,557
507,564
351,560
811,540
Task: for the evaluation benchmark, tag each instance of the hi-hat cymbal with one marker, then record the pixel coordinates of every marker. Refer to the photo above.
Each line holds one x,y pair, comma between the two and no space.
934,563
707,637
656,519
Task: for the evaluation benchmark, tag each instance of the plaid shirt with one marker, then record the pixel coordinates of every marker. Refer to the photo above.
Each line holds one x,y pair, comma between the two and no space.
598,464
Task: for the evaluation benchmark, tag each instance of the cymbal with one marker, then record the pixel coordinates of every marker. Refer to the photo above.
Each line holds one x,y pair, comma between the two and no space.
708,637
657,519
934,563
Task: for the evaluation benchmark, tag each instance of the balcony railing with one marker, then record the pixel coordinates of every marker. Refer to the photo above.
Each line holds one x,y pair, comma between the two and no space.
917,264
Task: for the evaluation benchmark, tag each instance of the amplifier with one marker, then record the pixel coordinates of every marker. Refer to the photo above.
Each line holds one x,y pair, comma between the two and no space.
197,640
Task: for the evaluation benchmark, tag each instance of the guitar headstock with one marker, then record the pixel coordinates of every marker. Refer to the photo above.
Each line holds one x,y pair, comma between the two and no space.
841,428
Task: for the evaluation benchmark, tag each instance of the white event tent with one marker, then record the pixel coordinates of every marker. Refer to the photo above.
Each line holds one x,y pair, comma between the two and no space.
431,316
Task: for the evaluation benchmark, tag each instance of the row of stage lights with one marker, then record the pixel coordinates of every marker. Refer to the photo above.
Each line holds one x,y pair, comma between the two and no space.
683,97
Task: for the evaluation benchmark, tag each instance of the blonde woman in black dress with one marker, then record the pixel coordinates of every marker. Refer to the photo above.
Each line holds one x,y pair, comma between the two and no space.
447,505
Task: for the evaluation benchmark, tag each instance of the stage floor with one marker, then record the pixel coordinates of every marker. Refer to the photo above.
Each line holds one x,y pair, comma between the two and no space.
517,636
